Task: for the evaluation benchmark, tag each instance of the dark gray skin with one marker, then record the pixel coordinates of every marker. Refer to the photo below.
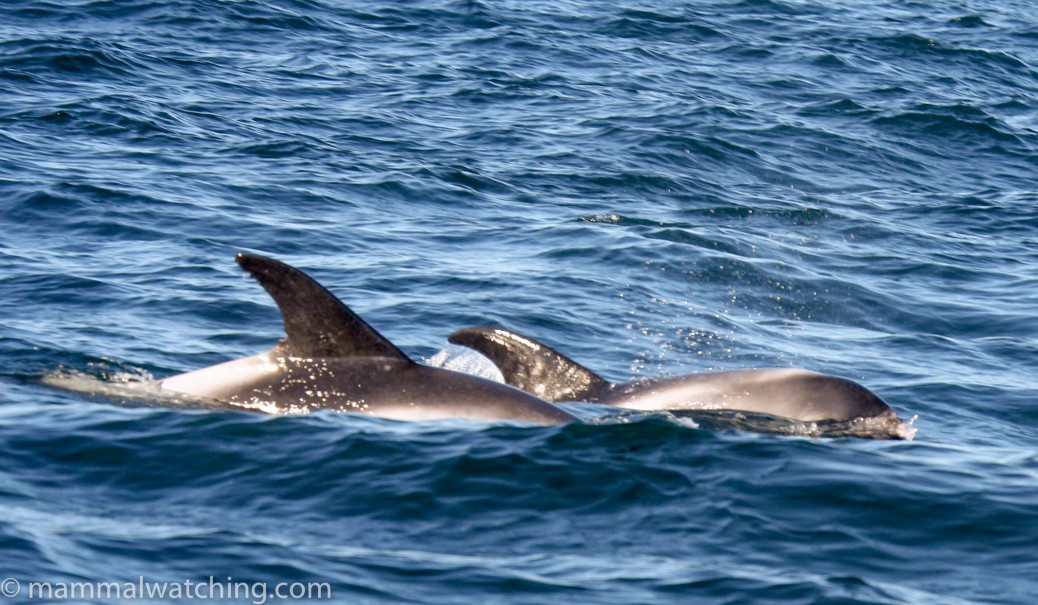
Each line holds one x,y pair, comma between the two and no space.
332,359
784,393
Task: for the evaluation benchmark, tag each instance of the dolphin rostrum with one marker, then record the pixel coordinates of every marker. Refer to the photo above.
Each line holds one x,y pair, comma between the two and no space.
792,394
332,359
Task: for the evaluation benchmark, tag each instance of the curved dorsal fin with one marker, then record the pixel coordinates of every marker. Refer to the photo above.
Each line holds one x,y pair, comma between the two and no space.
316,323
532,366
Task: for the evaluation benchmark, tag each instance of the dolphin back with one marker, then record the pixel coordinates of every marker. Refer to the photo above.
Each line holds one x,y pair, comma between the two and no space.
317,324
533,366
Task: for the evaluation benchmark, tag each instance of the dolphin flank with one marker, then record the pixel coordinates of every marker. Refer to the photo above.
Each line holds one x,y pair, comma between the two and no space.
784,393
332,359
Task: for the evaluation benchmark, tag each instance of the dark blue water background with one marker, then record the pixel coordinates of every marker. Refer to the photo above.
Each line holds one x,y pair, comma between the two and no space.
662,188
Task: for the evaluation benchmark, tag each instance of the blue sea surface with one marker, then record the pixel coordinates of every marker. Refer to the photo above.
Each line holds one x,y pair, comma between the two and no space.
651,188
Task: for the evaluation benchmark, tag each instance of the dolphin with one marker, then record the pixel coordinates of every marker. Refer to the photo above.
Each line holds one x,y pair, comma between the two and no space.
790,394
332,359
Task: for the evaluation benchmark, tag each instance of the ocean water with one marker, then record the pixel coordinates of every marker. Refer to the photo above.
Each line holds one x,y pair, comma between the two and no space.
652,188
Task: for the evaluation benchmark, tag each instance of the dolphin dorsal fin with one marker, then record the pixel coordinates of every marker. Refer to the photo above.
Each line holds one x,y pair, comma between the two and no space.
316,323
533,366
